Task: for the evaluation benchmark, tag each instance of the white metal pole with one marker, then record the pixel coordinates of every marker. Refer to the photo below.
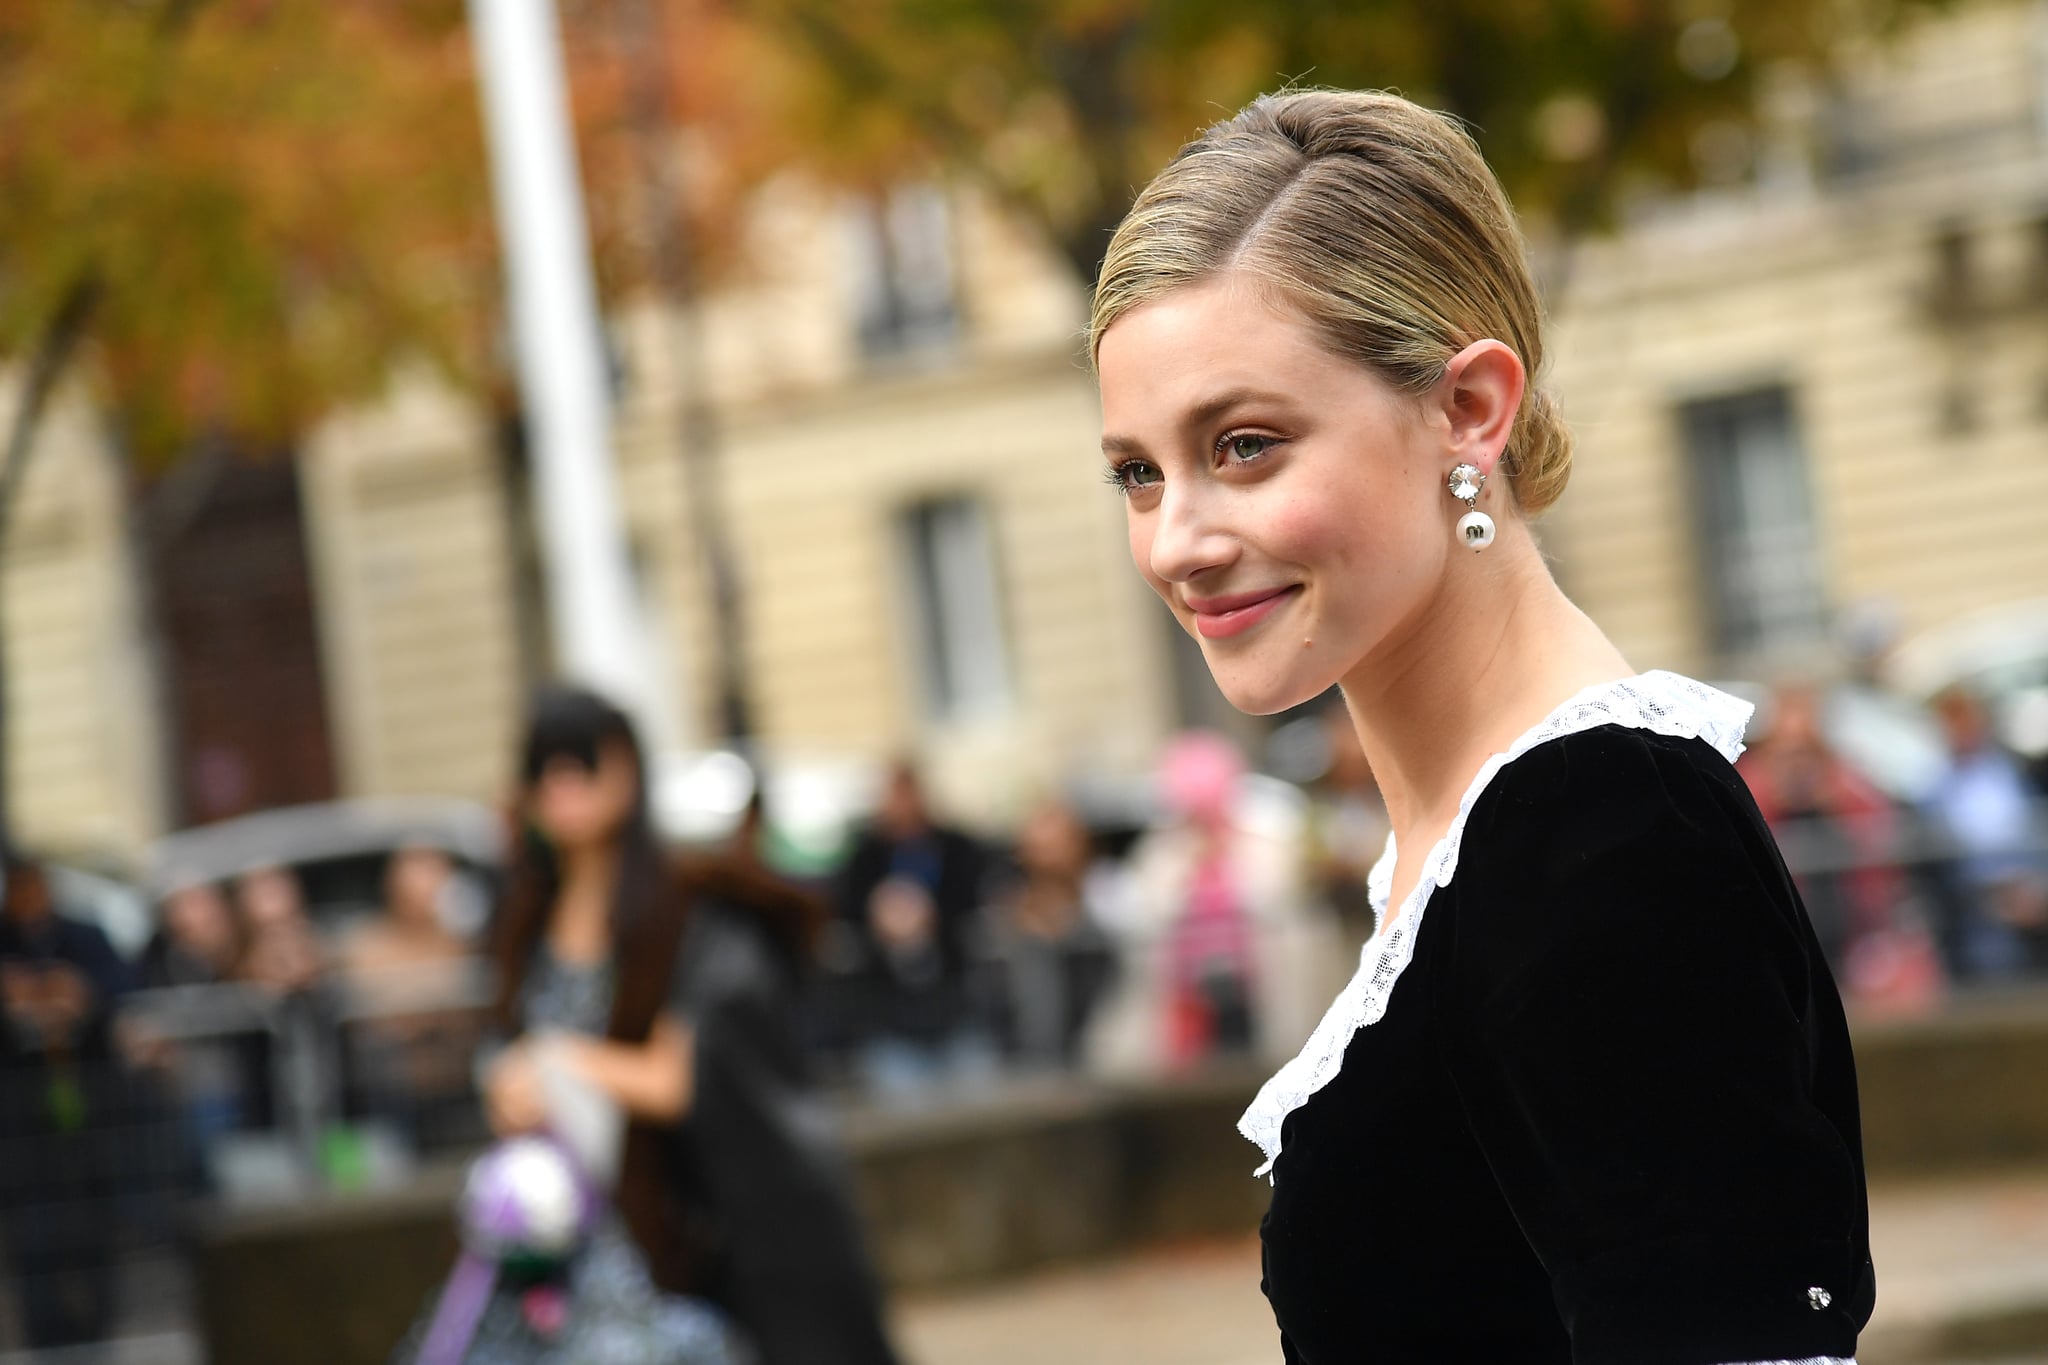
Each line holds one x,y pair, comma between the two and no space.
560,357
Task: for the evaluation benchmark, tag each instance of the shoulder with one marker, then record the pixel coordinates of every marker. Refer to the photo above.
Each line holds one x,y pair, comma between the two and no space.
84,938
1620,849
954,842
789,914
1572,803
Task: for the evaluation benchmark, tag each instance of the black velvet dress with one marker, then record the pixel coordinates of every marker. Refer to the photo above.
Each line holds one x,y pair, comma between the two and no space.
1597,1104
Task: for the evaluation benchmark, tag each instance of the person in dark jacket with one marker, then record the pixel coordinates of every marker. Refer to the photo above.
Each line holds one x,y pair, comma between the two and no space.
909,894
765,1175
59,1093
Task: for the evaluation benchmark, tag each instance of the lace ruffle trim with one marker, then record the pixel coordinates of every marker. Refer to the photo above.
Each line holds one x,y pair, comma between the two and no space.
1663,702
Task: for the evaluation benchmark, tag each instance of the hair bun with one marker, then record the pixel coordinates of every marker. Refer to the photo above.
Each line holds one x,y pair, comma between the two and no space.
1540,452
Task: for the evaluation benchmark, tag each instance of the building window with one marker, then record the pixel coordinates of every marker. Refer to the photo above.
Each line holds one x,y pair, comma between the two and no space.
1952,292
1756,531
903,271
955,608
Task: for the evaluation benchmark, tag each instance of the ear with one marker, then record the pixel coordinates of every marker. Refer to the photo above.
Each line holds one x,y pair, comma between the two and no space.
1479,395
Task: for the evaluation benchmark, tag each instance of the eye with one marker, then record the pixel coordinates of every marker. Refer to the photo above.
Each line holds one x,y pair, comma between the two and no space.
1245,446
1131,476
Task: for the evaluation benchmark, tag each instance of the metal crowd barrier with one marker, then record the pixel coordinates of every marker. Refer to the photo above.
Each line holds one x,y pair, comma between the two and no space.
211,1093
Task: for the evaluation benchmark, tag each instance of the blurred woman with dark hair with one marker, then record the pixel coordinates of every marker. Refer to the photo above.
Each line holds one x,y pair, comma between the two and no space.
587,935
663,991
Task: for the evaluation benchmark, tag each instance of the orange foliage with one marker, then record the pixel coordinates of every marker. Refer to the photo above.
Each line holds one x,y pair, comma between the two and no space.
281,200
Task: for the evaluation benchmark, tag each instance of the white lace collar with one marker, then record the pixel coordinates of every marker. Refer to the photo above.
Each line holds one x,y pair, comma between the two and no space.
1667,703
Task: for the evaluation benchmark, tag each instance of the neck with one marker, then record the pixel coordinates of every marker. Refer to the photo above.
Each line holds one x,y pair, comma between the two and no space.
590,870
581,927
1488,655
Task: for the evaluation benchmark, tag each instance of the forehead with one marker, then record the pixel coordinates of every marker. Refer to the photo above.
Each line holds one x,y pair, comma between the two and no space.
1170,355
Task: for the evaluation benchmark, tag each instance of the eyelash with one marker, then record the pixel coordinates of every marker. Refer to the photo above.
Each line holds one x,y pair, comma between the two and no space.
1230,438
1114,476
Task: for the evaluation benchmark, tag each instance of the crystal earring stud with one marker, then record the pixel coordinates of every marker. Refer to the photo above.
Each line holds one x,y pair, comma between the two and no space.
1475,528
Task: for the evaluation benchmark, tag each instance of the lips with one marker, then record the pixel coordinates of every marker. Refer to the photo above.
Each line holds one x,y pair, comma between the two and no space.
1217,617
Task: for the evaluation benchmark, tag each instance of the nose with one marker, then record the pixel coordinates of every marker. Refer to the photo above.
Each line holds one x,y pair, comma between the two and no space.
1187,537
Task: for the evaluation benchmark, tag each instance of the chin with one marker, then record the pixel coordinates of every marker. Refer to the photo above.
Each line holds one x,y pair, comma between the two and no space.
1269,695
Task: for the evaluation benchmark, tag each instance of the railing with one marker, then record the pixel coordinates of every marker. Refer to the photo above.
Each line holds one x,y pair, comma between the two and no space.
213,1093
1896,874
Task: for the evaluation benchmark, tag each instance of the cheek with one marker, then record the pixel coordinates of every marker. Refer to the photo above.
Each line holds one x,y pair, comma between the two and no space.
1327,535
618,804
1309,531
1364,547
560,810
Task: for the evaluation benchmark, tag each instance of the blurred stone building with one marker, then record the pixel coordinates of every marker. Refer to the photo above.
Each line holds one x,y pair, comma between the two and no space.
1824,383
1829,385
905,467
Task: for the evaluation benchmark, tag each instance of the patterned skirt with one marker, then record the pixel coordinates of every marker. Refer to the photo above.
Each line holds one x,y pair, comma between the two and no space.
615,1315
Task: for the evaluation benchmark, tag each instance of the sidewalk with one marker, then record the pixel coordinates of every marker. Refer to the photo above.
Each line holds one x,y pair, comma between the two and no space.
1962,1280
1962,1270
1193,1305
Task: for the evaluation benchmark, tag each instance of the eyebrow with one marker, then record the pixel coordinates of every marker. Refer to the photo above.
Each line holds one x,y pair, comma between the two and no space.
1200,415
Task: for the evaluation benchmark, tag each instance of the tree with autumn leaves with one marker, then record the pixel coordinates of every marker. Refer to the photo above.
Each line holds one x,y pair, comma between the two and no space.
1062,108
222,219
250,210
233,213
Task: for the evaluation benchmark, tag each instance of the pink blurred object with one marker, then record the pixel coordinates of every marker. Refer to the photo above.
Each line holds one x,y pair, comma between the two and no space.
1210,942
546,1309
1198,776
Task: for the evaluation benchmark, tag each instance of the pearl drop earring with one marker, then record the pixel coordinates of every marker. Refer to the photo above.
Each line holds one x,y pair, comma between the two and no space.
1475,528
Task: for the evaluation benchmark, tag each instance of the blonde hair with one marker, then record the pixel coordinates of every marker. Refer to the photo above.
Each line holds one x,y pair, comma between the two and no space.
1374,218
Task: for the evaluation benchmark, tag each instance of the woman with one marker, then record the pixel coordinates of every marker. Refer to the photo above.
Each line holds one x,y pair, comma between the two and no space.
216,1080
1224,953
401,968
197,942
1589,1097
588,940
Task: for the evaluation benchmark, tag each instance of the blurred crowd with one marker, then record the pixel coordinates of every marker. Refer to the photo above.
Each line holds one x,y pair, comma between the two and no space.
1917,839
129,1082
259,1040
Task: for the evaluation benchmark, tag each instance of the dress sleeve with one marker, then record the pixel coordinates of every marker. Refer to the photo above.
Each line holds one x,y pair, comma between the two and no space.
1288,1354
1651,1057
